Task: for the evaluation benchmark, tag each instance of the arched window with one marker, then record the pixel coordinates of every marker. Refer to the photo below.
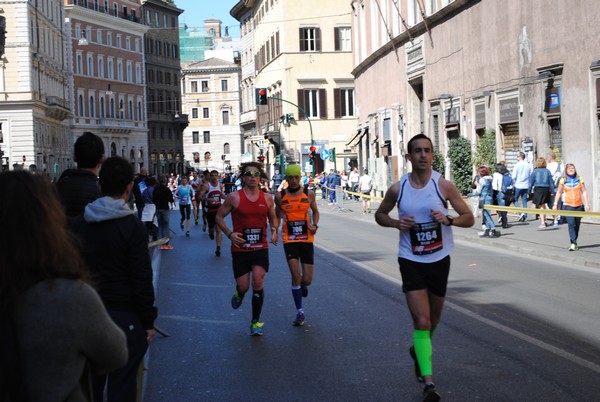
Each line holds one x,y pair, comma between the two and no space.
92,107
81,107
112,108
102,109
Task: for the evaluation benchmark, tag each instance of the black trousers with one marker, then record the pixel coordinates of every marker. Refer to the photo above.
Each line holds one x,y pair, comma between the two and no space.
121,385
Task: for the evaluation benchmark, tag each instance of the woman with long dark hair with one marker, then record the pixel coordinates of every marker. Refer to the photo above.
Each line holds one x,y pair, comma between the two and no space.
55,329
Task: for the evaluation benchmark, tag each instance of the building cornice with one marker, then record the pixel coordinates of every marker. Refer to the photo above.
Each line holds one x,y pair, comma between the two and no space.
443,15
106,20
160,4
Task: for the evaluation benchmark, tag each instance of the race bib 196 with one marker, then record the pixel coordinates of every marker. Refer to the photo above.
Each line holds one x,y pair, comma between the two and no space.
297,230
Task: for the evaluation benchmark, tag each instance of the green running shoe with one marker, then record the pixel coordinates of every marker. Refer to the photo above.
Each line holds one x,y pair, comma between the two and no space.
256,328
236,300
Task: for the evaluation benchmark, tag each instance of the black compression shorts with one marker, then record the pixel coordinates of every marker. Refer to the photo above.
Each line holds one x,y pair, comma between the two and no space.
303,251
431,276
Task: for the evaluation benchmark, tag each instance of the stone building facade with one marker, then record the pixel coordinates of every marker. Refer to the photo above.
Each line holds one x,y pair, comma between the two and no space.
35,107
461,67
108,86
303,59
166,120
211,99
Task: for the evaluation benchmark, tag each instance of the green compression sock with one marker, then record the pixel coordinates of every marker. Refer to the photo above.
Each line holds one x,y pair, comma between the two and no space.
423,350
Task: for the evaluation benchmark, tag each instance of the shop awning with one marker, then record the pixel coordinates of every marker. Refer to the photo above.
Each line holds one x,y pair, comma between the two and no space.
357,137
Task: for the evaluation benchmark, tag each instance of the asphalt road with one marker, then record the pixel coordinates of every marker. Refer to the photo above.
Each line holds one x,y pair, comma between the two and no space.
514,328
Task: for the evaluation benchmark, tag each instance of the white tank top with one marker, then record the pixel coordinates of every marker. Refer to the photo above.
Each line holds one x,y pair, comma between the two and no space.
429,241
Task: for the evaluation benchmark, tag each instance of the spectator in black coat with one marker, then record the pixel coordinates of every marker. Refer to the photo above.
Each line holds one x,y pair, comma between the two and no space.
115,248
78,187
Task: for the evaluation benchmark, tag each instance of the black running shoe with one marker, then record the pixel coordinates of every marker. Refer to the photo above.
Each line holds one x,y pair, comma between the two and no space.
181,224
299,321
413,356
212,236
304,289
218,252
430,393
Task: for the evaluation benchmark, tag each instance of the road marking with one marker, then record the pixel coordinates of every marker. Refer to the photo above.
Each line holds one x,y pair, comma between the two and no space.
198,285
190,319
526,338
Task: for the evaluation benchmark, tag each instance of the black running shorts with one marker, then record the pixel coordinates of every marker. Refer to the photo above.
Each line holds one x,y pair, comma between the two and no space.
211,219
431,276
244,261
303,251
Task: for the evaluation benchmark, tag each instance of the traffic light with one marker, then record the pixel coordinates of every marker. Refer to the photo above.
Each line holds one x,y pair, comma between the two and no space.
2,34
261,96
313,152
261,158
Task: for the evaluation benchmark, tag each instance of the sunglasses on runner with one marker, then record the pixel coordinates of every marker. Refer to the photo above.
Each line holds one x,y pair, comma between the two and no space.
254,173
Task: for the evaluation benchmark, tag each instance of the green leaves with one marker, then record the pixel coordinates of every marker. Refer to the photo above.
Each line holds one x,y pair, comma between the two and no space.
485,154
461,169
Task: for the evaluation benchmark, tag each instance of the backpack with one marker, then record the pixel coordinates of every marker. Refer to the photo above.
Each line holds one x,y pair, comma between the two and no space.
507,184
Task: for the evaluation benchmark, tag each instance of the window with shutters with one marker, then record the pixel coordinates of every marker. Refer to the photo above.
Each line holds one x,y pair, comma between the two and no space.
313,101
343,41
344,102
310,39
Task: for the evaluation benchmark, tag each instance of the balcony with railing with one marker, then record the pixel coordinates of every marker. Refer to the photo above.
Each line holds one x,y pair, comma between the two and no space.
91,5
57,108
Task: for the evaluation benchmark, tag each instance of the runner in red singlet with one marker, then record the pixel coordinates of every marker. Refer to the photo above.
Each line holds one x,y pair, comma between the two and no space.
250,210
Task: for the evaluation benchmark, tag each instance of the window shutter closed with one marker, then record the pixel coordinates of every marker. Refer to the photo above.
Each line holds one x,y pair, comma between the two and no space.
337,102
336,38
318,39
302,104
322,104
301,34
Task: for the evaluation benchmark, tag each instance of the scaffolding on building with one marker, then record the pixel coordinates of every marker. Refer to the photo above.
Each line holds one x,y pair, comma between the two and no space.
193,43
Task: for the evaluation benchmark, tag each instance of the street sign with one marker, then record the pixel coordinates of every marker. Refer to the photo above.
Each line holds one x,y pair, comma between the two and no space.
325,154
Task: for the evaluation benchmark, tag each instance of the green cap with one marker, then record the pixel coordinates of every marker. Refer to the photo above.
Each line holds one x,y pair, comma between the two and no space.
293,170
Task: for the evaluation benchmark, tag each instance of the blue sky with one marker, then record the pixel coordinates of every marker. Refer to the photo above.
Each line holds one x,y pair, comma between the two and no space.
196,11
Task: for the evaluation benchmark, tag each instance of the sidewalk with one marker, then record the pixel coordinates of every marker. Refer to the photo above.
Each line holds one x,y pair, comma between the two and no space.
520,237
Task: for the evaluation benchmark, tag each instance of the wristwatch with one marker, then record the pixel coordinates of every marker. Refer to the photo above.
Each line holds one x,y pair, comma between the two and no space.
450,220
317,226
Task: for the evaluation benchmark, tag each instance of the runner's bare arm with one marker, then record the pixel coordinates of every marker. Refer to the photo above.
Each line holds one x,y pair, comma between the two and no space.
465,218
230,203
202,192
315,212
273,219
382,216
